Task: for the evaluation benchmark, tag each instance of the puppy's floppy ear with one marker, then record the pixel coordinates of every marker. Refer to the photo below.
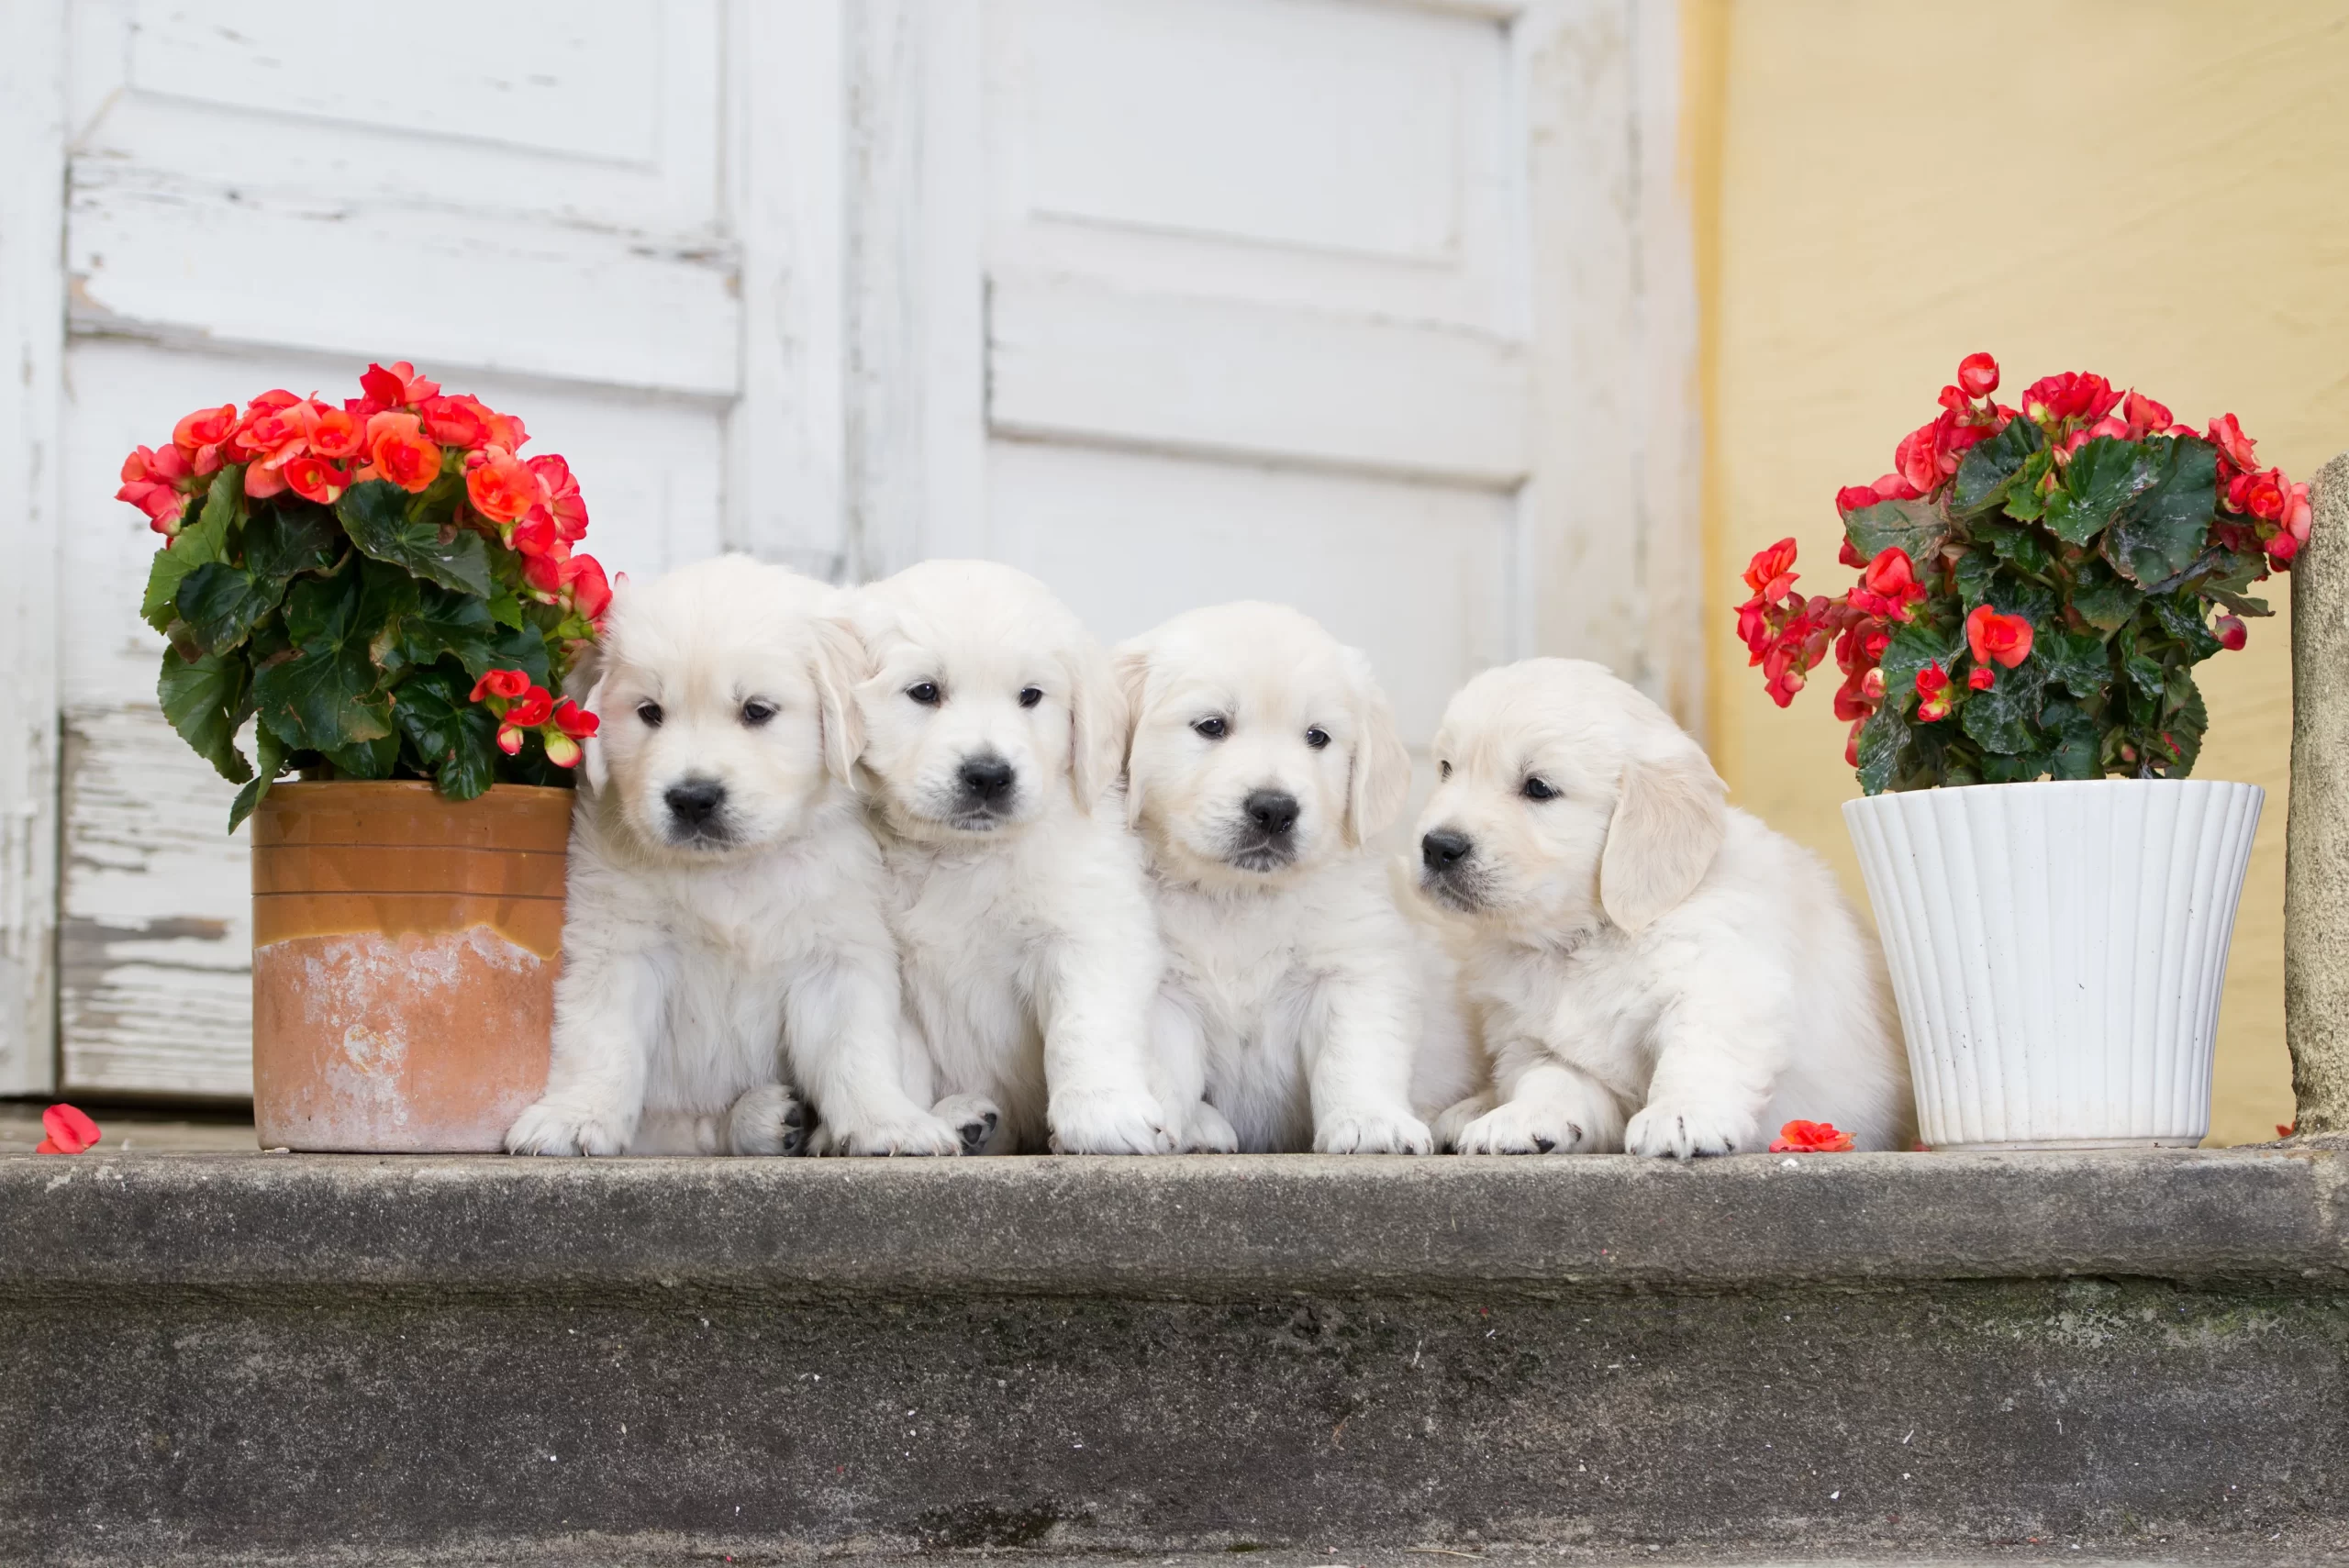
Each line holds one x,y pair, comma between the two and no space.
1669,819
1097,723
1132,666
840,665
1380,779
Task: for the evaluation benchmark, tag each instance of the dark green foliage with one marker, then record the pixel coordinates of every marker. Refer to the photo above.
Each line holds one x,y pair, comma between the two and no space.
350,639
2116,565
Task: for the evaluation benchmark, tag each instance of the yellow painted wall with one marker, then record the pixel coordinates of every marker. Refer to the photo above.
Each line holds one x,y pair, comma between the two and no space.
2157,190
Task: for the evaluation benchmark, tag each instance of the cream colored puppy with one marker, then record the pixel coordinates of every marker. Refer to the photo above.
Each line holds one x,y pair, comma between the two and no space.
993,734
724,935
1656,972
1263,759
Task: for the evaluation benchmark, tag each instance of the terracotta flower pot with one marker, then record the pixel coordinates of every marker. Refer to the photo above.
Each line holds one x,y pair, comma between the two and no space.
405,951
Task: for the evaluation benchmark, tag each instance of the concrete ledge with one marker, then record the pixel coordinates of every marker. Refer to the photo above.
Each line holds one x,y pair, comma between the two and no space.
1211,1225
281,1359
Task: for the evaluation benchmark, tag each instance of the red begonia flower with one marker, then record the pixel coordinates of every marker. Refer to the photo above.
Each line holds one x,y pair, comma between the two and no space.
1978,374
532,708
336,435
1990,635
591,592
574,721
562,496
502,487
399,451
2226,434
2145,417
313,479
1810,1138
69,1131
396,386
204,427
506,684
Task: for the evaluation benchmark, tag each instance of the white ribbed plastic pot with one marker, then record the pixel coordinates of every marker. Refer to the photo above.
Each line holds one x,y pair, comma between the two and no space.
2058,951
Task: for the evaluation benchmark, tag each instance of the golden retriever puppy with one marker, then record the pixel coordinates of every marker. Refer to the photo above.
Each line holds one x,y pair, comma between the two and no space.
1263,758
1654,970
993,735
724,935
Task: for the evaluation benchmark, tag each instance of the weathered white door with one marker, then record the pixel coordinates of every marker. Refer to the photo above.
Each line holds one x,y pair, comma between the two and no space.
1377,306
528,199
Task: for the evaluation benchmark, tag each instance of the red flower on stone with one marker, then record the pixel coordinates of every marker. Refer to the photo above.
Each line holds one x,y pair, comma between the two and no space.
1810,1138
69,1131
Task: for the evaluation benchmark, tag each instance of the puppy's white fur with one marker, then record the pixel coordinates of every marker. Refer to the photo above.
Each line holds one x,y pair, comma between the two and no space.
1293,981
706,967
1654,970
1030,953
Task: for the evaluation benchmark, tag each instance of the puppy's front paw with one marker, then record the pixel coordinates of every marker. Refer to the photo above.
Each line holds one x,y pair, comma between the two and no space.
552,1128
766,1118
1453,1122
1107,1121
974,1117
1373,1132
919,1134
1207,1130
1685,1130
1529,1127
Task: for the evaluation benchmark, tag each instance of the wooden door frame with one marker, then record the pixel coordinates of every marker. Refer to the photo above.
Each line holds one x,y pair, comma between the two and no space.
32,355
1610,564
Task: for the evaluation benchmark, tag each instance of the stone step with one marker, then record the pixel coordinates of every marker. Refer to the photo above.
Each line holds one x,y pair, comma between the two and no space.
1287,1359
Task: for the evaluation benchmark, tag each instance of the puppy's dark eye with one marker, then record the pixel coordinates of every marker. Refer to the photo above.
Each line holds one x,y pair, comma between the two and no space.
757,711
1443,770
925,693
1537,788
651,713
1213,728
1030,695
1317,737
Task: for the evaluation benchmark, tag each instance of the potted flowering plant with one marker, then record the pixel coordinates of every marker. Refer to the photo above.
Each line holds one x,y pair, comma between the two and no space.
385,592
2036,585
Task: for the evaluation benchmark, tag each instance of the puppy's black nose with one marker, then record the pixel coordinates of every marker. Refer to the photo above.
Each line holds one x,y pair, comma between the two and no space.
1273,810
1444,849
694,801
986,777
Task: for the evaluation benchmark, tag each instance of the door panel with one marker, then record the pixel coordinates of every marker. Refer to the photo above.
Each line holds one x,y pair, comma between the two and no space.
1255,319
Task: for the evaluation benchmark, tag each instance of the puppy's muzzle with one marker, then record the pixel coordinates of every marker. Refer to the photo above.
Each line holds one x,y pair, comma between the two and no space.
1448,869
696,811
986,789
1266,840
